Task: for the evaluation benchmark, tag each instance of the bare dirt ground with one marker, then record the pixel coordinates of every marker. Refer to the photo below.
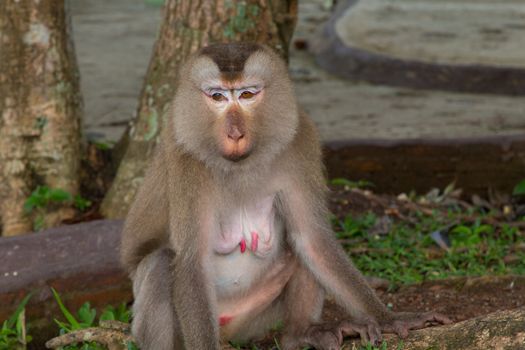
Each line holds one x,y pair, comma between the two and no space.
460,299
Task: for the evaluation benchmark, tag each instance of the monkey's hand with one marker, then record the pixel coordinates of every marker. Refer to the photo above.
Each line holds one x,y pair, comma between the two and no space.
396,322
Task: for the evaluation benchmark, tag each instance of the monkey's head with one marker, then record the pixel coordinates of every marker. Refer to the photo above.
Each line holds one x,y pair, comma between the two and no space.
235,105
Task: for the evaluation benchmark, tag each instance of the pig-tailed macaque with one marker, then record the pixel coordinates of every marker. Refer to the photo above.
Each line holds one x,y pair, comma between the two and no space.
229,232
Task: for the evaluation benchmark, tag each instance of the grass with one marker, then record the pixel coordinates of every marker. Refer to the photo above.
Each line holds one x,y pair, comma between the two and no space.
43,199
409,254
14,331
86,317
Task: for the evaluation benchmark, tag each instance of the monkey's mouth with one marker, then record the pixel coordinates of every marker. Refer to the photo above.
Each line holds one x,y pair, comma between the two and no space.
236,151
236,157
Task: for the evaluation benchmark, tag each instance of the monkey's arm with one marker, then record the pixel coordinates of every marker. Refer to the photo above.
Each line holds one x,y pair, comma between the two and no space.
191,223
193,297
146,225
312,239
303,203
314,242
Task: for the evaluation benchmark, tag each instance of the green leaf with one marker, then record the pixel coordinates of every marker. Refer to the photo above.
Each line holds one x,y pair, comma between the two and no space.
483,229
121,313
39,223
462,230
71,319
104,146
20,324
519,189
351,184
341,182
29,205
64,328
132,346
81,203
107,315
59,195
10,323
86,314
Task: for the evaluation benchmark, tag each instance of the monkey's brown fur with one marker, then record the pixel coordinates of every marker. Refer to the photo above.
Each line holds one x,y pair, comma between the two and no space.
231,226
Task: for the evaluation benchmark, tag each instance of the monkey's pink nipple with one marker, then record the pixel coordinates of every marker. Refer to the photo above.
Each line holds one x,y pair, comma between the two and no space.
243,245
224,320
255,241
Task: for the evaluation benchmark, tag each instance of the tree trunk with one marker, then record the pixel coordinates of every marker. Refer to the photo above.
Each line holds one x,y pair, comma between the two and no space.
40,108
187,26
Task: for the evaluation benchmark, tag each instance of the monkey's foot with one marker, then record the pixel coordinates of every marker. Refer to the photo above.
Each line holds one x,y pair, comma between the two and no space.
400,323
404,321
321,336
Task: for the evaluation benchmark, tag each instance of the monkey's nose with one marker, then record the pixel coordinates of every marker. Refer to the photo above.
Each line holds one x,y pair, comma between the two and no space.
235,134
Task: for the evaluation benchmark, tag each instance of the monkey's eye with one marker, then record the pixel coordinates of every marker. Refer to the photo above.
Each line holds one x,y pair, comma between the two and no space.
246,94
217,96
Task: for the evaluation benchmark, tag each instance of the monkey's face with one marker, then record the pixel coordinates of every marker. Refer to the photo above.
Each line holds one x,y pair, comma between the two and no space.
235,106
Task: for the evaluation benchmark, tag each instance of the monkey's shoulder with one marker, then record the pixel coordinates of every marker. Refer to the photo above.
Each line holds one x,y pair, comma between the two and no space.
304,154
307,141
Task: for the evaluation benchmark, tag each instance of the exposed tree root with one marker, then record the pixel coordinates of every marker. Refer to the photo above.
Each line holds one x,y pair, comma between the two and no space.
112,334
500,330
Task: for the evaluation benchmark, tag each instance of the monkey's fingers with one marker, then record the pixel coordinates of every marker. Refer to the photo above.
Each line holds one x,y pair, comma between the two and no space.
374,333
440,318
370,332
323,338
421,320
410,321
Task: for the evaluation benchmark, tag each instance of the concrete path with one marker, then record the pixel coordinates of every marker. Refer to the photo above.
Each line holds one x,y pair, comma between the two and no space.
114,41
345,110
439,31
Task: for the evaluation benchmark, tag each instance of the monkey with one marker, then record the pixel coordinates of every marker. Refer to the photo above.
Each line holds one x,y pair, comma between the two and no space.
229,231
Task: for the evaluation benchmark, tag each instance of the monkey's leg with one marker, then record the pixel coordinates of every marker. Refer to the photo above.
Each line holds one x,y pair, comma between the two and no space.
155,325
250,317
258,326
303,304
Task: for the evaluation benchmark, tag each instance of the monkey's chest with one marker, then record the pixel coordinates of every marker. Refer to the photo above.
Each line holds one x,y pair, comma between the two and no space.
248,239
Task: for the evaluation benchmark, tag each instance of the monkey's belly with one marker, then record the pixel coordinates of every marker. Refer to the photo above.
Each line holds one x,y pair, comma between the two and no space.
248,240
252,285
236,272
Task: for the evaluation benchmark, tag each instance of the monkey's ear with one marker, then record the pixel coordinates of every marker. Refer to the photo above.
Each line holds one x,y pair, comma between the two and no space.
204,72
261,65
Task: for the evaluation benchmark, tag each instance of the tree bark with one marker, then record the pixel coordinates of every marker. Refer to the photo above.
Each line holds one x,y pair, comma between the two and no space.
40,108
504,330
187,26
